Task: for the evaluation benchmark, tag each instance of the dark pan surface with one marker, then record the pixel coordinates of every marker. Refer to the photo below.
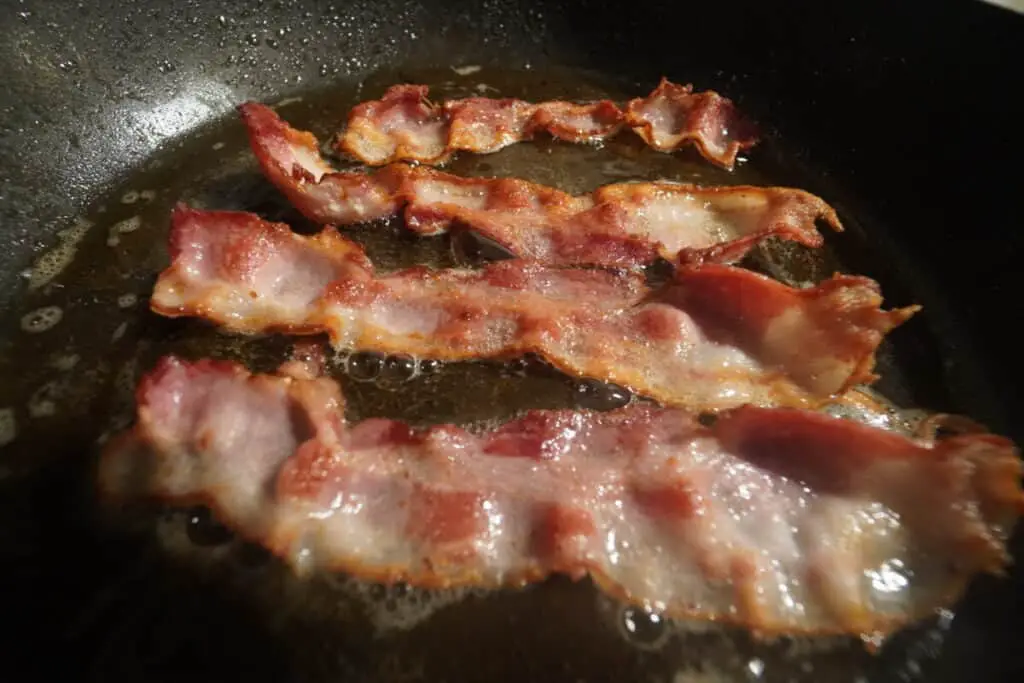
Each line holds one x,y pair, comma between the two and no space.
102,105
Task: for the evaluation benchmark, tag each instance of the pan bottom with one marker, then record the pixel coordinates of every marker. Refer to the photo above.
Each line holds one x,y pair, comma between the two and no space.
175,594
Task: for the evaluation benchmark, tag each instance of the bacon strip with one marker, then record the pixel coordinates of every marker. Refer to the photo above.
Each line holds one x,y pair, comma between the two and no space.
781,520
622,225
405,126
715,337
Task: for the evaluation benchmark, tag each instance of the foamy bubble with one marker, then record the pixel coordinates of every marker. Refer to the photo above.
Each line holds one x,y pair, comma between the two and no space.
802,647
649,631
8,426
57,259
130,197
642,628
41,319
398,369
127,300
428,366
204,530
755,667
124,381
594,394
65,362
172,534
122,228
119,331
43,401
364,366
400,607
707,673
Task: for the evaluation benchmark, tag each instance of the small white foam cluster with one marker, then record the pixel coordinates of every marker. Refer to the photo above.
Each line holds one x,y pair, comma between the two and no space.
127,300
400,607
43,401
132,196
65,362
8,426
53,262
41,319
122,228
707,673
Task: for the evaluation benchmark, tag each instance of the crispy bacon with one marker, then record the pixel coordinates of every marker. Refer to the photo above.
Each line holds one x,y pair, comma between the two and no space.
780,520
405,126
673,116
716,336
623,225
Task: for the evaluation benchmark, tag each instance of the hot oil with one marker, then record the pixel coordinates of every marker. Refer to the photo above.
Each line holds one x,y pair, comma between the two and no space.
74,351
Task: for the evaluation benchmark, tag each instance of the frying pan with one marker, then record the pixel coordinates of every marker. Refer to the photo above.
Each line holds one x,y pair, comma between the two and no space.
899,114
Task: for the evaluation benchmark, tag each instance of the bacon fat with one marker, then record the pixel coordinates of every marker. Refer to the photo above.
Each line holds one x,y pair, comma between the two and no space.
621,225
405,126
715,336
781,520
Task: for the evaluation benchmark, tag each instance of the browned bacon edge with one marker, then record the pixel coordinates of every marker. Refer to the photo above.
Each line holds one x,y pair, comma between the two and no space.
273,457
714,336
405,126
620,225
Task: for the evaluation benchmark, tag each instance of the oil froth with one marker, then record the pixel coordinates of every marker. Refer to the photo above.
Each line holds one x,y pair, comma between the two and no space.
364,366
124,227
127,300
8,426
400,607
597,395
53,262
43,403
645,629
41,319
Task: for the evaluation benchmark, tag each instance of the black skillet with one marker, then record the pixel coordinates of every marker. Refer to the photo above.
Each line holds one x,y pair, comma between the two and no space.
900,114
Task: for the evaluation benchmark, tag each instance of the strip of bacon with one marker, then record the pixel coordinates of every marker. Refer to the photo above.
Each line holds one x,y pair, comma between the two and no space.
781,520
716,336
622,225
405,126
673,116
